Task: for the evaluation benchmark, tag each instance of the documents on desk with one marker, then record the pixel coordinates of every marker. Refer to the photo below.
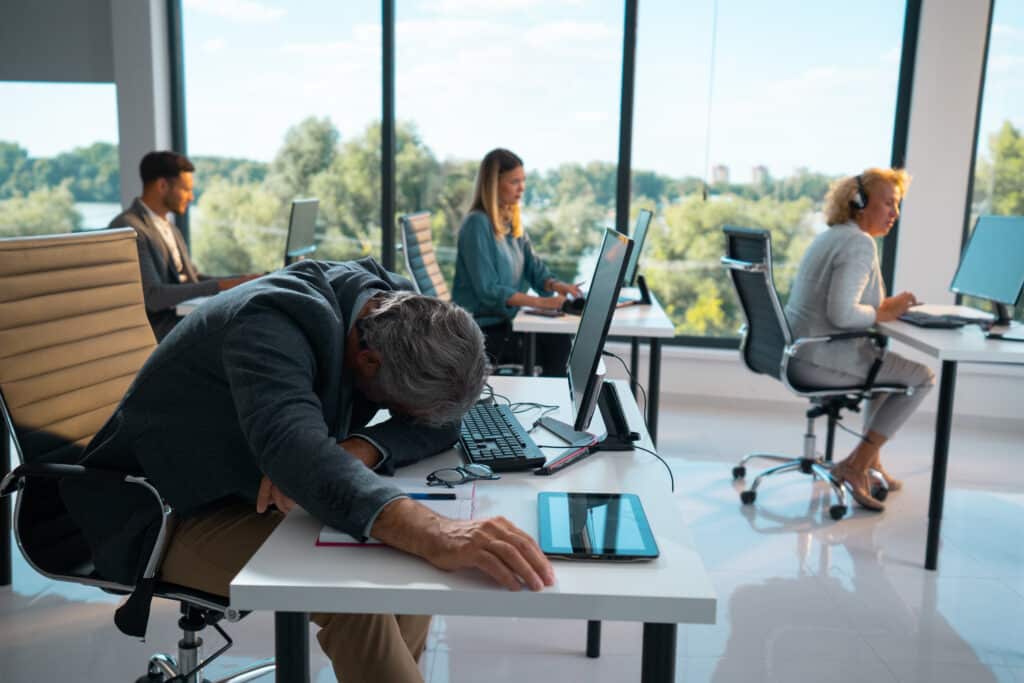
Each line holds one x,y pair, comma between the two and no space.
454,503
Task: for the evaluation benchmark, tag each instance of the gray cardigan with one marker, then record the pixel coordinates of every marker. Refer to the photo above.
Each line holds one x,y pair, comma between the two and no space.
837,288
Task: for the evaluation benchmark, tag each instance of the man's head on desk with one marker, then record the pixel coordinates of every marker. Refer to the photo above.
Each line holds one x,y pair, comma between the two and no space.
417,356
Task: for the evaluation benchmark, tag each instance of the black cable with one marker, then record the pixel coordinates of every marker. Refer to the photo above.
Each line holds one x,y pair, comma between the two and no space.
671,478
643,392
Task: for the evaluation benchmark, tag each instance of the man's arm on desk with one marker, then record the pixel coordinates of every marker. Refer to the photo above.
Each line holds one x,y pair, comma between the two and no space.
495,546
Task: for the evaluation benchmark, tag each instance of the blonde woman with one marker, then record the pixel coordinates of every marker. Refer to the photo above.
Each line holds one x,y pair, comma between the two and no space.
839,288
496,266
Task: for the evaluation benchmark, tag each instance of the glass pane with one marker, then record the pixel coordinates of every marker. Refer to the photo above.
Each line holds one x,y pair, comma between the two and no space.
59,169
283,101
745,111
544,83
999,166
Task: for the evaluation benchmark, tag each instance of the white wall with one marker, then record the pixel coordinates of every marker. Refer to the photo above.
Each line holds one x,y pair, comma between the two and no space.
56,40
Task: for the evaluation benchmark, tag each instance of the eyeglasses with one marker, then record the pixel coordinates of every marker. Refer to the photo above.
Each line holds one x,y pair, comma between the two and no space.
452,476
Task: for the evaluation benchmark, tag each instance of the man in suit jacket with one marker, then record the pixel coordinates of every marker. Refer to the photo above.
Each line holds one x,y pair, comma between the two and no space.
168,274
261,397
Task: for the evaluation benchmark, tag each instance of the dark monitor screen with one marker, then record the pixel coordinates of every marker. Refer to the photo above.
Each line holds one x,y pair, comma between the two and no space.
643,220
992,264
584,382
301,229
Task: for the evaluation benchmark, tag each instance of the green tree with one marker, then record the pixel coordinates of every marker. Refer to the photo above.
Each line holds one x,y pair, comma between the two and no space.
15,170
45,211
309,148
238,228
999,180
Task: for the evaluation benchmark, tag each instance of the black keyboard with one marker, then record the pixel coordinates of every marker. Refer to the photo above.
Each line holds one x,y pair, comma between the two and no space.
947,322
491,435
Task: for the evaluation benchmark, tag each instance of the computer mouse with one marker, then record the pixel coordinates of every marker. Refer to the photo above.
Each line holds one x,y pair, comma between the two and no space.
573,306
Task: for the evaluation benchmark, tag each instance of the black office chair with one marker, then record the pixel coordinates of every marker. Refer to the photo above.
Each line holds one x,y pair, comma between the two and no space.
73,334
767,346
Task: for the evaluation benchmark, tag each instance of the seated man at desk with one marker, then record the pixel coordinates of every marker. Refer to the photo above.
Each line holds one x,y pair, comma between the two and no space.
168,274
263,396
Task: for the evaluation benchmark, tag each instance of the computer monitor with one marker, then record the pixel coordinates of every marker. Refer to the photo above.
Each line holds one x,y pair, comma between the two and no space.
992,264
643,221
301,240
585,371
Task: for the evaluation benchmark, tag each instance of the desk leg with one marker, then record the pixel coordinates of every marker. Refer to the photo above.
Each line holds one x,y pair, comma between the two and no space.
658,661
531,354
943,425
593,639
291,647
634,363
5,510
654,390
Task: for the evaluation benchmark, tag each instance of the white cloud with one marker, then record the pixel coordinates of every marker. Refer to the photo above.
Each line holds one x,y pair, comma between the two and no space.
592,116
571,32
1004,64
1007,31
213,45
242,11
491,7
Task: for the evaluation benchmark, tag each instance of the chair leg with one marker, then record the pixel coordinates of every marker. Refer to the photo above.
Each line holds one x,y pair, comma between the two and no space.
778,469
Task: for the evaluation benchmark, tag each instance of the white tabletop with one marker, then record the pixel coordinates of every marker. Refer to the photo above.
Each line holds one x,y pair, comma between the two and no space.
189,305
635,320
289,573
966,344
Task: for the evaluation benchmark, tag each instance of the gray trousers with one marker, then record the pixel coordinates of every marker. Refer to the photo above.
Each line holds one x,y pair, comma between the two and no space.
885,413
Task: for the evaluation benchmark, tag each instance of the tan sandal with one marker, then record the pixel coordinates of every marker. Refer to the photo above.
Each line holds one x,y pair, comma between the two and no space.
891,482
859,484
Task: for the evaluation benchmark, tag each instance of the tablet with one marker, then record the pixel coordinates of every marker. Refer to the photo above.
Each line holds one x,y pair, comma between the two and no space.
594,526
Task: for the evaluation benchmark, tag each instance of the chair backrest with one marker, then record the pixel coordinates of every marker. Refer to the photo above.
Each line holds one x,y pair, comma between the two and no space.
73,335
748,257
420,257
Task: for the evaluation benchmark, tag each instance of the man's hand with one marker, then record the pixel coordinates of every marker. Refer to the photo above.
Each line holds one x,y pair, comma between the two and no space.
495,546
565,289
229,282
893,307
271,495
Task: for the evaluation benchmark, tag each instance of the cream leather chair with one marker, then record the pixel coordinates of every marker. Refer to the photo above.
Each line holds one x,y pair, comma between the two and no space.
73,335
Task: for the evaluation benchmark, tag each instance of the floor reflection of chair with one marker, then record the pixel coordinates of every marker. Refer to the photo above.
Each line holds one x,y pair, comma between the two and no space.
767,346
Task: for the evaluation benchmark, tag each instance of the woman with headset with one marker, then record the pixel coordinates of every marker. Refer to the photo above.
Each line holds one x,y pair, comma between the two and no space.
838,288
496,266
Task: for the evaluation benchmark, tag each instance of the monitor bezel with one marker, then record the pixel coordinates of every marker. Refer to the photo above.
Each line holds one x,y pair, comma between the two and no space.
963,257
592,389
633,264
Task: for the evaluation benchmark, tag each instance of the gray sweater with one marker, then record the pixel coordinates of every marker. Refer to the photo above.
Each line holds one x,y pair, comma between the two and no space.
837,288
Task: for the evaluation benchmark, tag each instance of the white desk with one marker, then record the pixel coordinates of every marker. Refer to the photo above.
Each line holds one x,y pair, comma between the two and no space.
636,322
189,305
293,577
965,345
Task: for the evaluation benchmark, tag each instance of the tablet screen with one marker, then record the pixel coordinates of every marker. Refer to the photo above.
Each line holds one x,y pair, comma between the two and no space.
597,526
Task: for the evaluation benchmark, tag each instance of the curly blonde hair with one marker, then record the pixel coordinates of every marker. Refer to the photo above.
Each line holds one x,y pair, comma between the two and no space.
838,202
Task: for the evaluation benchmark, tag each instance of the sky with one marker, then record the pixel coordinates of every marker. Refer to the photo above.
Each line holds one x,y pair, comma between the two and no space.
784,84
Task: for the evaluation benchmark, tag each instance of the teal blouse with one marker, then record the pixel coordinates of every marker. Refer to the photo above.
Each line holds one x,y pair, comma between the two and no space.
486,274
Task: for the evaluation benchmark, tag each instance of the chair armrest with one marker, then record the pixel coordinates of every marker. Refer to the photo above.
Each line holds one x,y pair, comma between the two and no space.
878,338
15,481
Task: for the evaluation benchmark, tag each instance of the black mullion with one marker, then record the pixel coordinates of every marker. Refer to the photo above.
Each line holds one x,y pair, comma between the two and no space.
623,179
387,135
176,62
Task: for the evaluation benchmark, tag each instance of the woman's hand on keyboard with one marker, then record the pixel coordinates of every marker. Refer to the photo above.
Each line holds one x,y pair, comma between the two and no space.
494,545
893,307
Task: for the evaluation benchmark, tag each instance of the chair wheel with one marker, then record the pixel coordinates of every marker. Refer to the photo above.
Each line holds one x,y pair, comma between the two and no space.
748,497
739,472
837,512
879,492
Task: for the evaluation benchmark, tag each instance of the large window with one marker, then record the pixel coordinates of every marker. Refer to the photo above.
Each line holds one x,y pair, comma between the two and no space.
999,166
543,82
59,169
745,111
283,101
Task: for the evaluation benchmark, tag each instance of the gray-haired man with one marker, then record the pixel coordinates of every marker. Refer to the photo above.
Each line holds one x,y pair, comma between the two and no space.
262,396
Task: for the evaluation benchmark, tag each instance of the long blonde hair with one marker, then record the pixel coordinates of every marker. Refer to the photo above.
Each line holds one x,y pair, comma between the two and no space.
839,202
485,194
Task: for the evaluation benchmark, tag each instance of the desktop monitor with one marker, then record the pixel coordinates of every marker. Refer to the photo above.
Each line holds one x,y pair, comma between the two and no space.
301,239
585,357
992,264
643,221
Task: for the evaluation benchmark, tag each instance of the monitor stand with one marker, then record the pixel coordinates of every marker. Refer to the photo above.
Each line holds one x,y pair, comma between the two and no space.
619,436
1004,327
645,294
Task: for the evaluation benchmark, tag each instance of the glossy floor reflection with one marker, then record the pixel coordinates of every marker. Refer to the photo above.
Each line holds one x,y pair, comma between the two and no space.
801,598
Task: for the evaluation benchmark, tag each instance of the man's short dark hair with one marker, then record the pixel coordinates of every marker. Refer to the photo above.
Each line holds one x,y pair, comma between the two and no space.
156,165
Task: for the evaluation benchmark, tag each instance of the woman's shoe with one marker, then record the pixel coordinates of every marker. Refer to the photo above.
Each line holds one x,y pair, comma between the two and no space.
891,482
859,484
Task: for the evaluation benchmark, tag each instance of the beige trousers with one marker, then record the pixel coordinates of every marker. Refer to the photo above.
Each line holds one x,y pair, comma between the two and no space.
207,551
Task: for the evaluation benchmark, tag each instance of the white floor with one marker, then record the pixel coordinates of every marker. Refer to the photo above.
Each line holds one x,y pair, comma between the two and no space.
801,598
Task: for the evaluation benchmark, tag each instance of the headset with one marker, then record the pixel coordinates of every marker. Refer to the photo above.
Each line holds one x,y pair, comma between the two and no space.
860,198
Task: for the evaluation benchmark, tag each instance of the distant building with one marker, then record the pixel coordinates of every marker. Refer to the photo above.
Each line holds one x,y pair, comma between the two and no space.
719,174
759,175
